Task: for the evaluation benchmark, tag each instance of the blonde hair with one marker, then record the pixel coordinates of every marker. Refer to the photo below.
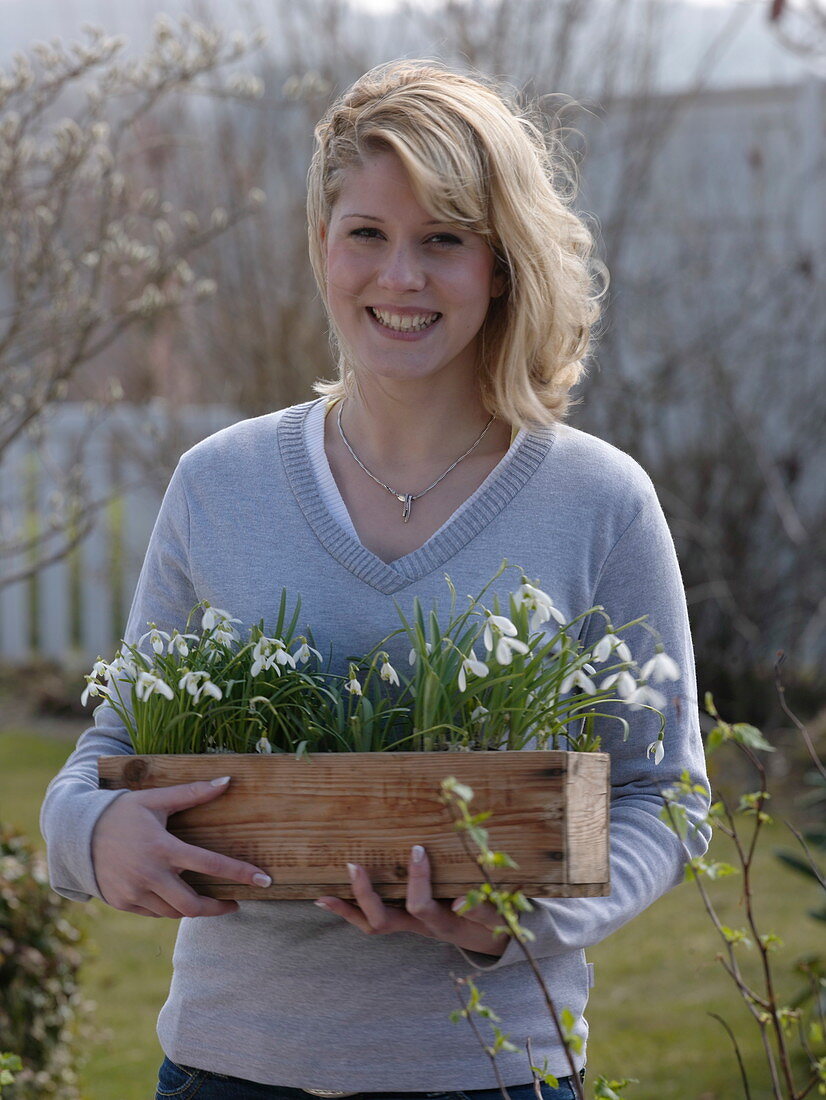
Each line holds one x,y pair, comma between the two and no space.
477,161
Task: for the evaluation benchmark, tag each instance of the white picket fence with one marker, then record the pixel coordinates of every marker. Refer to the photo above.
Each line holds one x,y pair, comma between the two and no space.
120,460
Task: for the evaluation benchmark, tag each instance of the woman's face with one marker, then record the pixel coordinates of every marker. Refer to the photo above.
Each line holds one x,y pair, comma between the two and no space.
408,294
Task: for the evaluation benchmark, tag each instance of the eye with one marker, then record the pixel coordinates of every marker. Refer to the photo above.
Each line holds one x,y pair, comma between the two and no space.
445,239
366,233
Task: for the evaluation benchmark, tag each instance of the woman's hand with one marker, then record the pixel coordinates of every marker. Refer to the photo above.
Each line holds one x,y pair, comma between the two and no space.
138,862
422,913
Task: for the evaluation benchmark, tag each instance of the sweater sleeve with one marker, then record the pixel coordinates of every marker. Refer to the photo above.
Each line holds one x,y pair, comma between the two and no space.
73,803
640,576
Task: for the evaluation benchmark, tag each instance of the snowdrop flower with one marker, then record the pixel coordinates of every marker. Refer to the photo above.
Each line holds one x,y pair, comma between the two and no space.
353,685
305,651
661,667
503,627
473,665
645,696
214,616
198,684
270,653
541,604
607,645
121,669
178,643
148,684
413,655
626,684
263,656
656,750
93,688
225,635
580,679
506,647
387,672
157,639
263,745
479,713
208,688
99,668
500,637
282,654
210,650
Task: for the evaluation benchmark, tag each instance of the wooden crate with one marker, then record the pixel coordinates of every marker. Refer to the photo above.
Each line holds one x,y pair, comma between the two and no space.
302,820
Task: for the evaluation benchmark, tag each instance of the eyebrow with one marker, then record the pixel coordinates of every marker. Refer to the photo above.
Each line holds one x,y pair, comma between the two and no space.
373,218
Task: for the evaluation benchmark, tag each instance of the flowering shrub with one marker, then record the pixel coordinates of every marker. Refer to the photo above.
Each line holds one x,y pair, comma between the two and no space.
42,1014
10,1065
485,681
792,1033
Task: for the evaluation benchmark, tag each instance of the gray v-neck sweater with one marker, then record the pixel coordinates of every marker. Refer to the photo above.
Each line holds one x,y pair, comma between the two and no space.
282,992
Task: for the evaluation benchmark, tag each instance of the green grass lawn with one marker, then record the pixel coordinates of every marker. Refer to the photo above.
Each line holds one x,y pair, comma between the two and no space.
656,979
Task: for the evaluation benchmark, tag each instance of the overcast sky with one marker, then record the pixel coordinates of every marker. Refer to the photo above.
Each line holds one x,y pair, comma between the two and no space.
754,57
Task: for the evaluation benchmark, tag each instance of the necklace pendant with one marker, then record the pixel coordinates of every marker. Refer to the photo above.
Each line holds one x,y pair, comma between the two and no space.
401,497
408,506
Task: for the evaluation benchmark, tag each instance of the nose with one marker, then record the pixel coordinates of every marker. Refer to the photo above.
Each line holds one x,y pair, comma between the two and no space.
401,270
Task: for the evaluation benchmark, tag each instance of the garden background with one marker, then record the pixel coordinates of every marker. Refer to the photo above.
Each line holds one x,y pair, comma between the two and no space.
154,286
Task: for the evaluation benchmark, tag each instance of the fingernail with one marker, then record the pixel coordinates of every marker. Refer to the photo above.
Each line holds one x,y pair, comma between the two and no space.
222,782
262,879
458,903
322,905
417,853
352,871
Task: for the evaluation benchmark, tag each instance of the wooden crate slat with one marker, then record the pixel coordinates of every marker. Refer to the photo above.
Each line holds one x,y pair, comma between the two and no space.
589,803
302,820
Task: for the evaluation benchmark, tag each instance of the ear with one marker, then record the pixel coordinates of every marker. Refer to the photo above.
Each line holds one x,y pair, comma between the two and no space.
498,282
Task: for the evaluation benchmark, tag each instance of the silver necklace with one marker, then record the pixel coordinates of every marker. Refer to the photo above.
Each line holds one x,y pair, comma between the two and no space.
408,498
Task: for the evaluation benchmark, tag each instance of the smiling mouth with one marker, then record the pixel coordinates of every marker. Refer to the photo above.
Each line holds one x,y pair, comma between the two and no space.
396,322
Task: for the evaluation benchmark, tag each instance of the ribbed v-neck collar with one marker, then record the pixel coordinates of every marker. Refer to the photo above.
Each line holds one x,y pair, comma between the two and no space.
494,494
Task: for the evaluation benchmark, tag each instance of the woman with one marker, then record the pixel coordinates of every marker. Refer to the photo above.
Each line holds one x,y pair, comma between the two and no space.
461,292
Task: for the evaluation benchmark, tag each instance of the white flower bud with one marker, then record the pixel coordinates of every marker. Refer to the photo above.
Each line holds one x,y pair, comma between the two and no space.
148,200
25,152
163,231
162,28
246,85
10,126
184,272
45,55
205,288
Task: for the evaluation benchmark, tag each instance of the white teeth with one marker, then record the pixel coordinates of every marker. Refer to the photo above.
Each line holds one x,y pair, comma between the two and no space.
410,323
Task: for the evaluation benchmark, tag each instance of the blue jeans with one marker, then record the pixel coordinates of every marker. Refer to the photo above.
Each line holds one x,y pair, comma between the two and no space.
185,1083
